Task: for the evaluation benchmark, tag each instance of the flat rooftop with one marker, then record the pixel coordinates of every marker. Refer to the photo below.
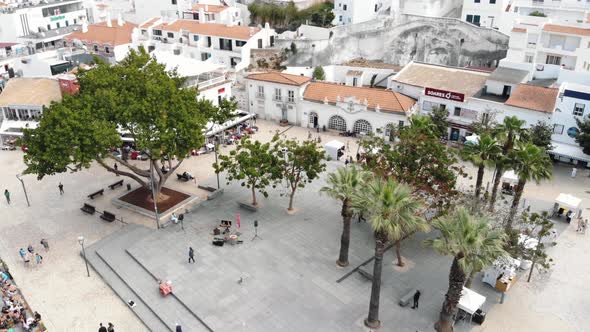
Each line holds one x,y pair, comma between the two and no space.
509,75
30,92
467,82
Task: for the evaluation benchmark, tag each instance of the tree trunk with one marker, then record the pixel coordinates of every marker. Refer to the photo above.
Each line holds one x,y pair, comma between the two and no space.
345,238
499,172
400,262
372,320
254,196
291,200
479,181
469,280
449,308
515,203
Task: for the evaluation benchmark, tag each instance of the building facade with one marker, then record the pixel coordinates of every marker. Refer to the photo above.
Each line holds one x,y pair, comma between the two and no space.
355,11
485,13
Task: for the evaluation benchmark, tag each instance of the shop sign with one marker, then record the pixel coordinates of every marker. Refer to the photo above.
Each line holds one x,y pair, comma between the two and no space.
220,91
57,18
448,95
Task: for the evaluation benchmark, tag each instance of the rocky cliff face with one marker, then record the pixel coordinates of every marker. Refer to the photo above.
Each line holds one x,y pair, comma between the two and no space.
443,41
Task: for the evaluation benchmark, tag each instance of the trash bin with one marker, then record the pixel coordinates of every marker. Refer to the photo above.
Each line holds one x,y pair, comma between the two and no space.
128,186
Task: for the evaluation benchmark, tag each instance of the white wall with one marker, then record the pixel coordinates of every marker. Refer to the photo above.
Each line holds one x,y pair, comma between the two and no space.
565,116
490,14
266,107
212,94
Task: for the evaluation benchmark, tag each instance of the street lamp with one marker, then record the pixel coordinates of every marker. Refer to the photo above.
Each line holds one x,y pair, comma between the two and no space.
81,241
19,177
216,165
154,195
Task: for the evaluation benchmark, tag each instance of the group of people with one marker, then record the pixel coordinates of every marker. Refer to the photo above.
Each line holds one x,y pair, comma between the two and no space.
109,328
27,255
14,311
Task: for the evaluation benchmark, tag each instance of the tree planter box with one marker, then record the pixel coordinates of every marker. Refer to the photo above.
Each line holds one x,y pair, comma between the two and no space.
207,188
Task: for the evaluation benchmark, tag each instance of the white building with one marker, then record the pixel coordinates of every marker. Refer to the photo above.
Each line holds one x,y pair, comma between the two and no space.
221,14
43,25
296,100
351,75
485,13
111,39
22,102
228,45
355,11
432,8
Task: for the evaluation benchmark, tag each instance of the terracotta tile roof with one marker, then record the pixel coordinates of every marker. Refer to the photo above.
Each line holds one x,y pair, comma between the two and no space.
149,23
209,8
282,78
210,29
30,92
566,29
522,30
387,100
100,33
536,98
2,4
102,5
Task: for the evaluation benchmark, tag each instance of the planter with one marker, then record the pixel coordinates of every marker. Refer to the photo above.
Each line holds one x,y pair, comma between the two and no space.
283,123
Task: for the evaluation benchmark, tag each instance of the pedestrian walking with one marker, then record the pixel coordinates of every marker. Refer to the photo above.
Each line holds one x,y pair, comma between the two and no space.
346,161
27,258
191,254
178,328
22,253
358,157
309,135
347,145
350,161
101,328
111,327
416,299
38,259
116,169
30,249
45,244
61,188
574,172
7,195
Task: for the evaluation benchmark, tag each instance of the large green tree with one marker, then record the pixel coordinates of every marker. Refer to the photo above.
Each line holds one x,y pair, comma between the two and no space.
439,117
482,154
540,135
253,164
393,215
507,132
344,184
530,163
136,97
583,137
473,244
302,163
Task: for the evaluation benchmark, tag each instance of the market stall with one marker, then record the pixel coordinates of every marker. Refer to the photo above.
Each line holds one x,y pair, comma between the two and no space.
567,205
502,274
333,148
509,181
470,302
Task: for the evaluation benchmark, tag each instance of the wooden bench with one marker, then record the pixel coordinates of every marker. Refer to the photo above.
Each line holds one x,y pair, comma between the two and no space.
116,184
87,208
106,215
405,300
365,274
248,206
96,193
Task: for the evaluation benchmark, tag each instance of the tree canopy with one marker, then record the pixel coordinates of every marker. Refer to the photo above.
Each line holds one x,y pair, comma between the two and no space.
318,73
136,97
583,137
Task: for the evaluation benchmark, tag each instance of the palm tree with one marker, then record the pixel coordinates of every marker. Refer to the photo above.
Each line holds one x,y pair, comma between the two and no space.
343,185
472,244
393,216
481,155
509,131
530,163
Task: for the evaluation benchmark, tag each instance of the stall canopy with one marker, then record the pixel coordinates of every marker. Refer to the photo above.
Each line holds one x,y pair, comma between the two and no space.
332,148
568,151
510,177
470,301
473,139
568,200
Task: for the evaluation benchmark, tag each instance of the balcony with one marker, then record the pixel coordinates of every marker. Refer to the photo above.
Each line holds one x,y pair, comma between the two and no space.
260,95
291,100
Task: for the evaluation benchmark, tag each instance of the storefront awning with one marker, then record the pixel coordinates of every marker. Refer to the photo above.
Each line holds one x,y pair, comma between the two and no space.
568,151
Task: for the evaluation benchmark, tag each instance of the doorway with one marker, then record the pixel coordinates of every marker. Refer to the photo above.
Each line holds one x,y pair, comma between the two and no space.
454,134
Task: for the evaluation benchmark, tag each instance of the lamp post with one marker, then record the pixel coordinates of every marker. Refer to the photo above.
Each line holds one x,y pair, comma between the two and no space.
216,165
81,241
154,195
19,177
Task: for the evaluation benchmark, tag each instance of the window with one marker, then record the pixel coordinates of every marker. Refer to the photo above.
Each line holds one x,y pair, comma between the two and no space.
170,34
340,18
48,26
75,21
579,109
291,96
528,58
225,44
457,111
558,129
277,94
344,7
362,126
57,25
107,50
173,2
67,23
492,2
260,91
95,48
354,81
476,1
376,7
196,38
240,43
205,56
157,32
553,60
473,19
336,122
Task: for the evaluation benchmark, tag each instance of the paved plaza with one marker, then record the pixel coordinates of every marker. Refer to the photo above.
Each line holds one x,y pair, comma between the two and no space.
289,276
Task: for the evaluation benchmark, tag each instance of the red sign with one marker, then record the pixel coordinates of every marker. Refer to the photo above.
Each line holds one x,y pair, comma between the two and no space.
448,95
220,91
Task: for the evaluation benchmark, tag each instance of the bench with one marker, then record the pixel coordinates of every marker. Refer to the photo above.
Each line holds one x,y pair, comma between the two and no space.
248,206
116,184
87,208
106,215
405,300
96,193
365,274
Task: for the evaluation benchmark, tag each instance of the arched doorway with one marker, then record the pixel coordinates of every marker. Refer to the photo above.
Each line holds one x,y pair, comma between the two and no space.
313,120
337,123
362,126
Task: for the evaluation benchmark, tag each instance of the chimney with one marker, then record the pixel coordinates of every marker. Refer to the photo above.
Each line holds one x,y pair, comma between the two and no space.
120,21
84,26
109,23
